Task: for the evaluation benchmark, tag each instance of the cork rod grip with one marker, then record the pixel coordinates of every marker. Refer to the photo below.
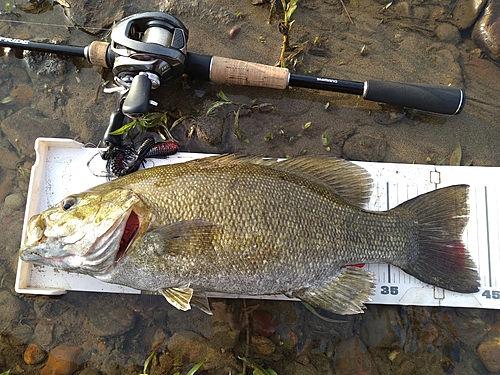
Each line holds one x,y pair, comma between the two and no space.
97,54
237,72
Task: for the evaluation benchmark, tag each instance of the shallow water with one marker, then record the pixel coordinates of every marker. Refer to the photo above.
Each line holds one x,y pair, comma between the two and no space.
117,333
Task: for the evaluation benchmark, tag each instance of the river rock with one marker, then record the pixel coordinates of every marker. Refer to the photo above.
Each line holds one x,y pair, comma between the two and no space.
381,327
26,125
44,332
486,32
45,67
263,322
12,307
448,33
352,357
15,201
489,353
63,360
466,12
94,15
8,158
110,322
263,345
20,74
34,354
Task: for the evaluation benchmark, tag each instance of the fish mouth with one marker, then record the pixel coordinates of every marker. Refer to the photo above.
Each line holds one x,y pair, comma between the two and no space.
129,233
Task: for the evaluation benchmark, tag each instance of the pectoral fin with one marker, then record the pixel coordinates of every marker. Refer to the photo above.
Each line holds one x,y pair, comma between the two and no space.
344,295
181,237
179,297
183,297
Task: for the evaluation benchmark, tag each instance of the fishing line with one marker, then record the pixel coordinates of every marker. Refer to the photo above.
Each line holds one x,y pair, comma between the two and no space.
54,24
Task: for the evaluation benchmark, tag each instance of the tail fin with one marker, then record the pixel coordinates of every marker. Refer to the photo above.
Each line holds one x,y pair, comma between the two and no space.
441,258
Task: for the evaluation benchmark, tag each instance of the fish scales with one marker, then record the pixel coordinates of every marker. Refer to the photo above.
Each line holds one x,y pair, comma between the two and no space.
301,227
242,225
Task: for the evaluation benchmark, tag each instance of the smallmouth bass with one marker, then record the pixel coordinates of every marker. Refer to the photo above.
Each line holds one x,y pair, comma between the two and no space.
244,225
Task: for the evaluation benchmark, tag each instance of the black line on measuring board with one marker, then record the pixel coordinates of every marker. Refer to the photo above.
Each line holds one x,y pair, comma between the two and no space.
387,208
487,234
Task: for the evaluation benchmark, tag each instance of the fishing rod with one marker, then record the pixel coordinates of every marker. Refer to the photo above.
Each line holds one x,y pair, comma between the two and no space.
149,48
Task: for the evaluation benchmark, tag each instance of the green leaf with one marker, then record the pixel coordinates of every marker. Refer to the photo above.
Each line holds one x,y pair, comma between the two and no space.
237,121
326,138
258,370
125,128
456,155
290,8
178,121
195,367
5,372
223,96
146,362
307,125
164,118
149,124
216,105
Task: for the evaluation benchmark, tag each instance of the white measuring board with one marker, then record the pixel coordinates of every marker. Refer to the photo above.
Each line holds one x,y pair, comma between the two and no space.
65,167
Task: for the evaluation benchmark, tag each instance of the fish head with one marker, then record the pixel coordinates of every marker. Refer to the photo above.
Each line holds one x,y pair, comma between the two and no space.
88,232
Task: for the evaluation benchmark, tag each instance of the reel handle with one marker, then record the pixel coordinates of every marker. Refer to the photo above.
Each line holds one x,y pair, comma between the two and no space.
136,103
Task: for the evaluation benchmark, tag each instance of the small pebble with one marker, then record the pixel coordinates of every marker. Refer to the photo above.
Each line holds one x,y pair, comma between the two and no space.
264,323
263,345
44,332
430,334
15,201
489,353
34,354
448,33
233,32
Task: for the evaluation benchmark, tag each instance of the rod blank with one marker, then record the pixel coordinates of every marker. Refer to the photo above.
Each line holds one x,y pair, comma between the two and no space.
431,98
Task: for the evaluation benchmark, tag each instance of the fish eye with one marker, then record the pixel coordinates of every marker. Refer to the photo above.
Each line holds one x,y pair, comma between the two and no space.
68,203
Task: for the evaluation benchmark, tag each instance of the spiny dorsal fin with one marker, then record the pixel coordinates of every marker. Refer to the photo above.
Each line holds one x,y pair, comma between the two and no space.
350,181
345,294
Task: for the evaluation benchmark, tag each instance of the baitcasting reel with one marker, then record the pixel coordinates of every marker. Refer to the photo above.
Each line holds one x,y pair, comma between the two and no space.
145,50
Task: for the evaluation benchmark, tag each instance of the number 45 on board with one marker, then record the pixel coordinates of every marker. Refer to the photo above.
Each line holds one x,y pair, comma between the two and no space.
495,294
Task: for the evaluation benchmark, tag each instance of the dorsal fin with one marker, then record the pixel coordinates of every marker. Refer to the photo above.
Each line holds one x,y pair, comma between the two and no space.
350,181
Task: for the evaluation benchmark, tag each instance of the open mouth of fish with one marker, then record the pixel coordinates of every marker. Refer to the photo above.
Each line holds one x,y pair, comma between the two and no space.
102,255
129,232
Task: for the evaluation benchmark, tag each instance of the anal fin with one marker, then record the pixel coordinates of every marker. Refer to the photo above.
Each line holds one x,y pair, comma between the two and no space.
345,294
